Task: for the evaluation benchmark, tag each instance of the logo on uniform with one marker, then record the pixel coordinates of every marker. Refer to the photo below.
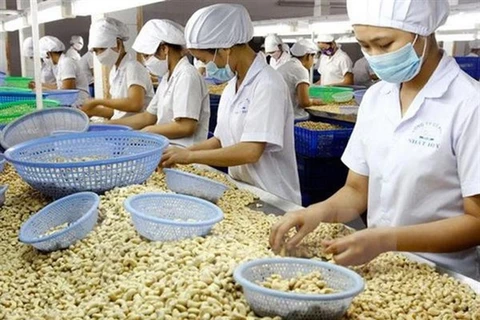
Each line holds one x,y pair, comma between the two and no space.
426,134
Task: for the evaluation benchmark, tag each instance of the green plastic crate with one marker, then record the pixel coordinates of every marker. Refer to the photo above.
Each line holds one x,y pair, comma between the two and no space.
17,82
326,93
10,111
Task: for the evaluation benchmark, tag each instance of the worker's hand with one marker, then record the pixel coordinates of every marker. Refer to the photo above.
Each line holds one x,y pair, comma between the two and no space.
175,155
305,221
317,102
361,247
31,85
149,129
89,105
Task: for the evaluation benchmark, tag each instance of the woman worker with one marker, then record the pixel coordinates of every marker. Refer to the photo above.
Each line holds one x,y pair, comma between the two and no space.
130,86
254,134
48,77
295,73
180,109
413,156
68,74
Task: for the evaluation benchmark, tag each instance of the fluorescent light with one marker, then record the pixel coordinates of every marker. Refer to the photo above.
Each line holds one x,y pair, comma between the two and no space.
281,28
92,7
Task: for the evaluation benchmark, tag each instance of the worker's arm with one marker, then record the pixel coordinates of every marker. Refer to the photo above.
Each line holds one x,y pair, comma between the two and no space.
303,97
137,121
134,102
238,154
210,144
45,86
180,128
68,84
347,80
344,206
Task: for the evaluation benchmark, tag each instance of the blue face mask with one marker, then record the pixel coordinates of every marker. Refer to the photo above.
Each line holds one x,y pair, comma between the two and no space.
399,66
221,74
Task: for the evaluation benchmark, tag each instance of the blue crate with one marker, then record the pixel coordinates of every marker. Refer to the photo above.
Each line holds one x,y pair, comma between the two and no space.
471,66
214,102
14,96
66,98
321,174
322,144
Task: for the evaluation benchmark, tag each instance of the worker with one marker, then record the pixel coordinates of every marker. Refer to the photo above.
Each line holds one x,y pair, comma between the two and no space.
278,51
86,66
67,72
48,76
254,133
334,65
474,48
295,73
131,89
363,75
73,52
180,109
413,155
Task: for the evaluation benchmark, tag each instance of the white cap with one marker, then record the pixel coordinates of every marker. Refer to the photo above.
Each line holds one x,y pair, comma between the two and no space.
50,44
272,41
219,26
76,39
155,32
475,44
27,47
422,17
326,38
105,32
303,47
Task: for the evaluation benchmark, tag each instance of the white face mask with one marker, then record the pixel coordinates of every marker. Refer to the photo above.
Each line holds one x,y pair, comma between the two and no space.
108,57
156,66
77,46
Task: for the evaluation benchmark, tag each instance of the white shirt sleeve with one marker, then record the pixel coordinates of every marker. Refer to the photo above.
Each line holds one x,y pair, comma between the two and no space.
138,75
346,65
467,152
354,156
67,69
188,96
300,74
153,105
267,103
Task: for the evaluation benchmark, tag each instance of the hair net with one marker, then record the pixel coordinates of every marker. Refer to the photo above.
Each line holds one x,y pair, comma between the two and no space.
422,17
27,47
475,44
325,38
76,39
303,47
219,26
272,41
157,31
50,44
105,32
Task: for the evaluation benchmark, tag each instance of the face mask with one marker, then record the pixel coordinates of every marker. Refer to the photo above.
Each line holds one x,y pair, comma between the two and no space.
399,66
276,55
156,66
108,57
221,74
328,52
77,46
48,62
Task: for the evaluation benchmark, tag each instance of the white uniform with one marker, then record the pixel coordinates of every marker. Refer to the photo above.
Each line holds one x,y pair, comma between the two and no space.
48,75
261,111
333,69
294,73
184,95
86,66
72,53
129,73
68,69
362,73
421,166
282,60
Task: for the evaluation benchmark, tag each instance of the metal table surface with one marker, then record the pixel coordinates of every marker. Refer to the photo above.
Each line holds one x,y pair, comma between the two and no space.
270,203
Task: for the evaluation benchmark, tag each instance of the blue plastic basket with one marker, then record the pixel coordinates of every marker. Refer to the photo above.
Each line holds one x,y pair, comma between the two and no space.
172,217
79,210
65,97
358,95
471,65
13,96
270,303
43,123
214,102
90,161
108,127
321,144
3,162
194,185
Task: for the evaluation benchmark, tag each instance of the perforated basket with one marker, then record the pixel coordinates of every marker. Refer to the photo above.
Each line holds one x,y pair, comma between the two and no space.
8,94
90,161
171,217
108,127
79,211
194,185
43,123
2,162
66,98
9,111
268,302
